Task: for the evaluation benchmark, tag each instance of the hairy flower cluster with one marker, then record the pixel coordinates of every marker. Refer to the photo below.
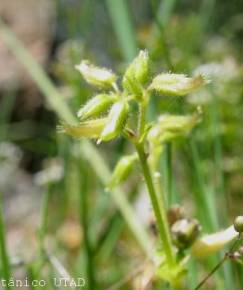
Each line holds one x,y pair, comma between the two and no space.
105,116
115,104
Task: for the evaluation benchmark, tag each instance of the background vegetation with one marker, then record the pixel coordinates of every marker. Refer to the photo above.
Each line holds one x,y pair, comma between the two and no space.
57,216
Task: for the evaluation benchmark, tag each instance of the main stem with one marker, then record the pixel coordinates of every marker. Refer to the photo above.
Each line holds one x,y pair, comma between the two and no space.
141,120
158,206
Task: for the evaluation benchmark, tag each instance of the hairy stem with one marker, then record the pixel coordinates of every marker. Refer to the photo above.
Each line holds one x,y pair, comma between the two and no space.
141,120
158,206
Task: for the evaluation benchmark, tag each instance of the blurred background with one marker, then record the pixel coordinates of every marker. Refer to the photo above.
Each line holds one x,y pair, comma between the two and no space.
52,187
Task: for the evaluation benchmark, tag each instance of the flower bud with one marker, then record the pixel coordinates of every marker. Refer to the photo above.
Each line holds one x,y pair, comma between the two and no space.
122,170
116,120
137,74
176,84
96,105
238,224
99,77
87,129
178,124
235,255
184,232
172,126
213,243
241,250
175,213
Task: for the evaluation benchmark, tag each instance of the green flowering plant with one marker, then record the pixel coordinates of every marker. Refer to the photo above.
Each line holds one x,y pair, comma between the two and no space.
135,87
106,116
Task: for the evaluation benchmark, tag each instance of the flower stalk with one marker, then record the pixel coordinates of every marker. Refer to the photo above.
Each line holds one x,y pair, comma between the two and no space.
141,119
158,207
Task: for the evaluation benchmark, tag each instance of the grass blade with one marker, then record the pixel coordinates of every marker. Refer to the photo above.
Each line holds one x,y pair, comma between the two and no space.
84,221
122,24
